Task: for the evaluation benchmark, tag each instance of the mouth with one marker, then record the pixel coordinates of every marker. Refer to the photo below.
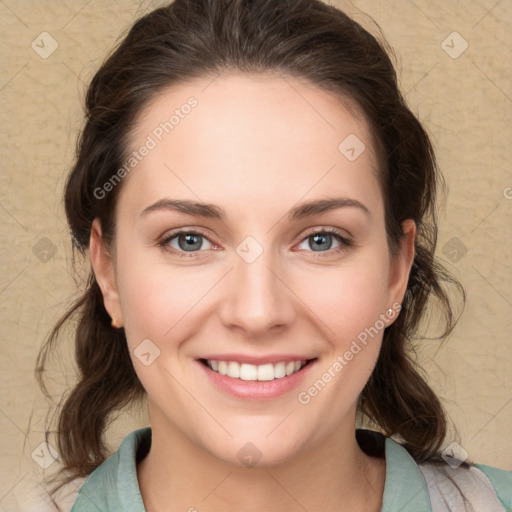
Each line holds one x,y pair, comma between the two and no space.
256,372
256,377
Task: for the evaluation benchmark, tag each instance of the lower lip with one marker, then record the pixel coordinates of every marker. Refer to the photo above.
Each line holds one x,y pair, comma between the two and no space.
258,389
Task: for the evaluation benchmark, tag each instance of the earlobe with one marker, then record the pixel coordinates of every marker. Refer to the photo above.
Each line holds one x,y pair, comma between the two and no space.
103,268
402,263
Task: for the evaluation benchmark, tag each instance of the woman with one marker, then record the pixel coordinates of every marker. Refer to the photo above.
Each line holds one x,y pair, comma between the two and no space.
225,143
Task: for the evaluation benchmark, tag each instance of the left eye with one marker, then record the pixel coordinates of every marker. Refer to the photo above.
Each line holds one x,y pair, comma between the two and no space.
322,241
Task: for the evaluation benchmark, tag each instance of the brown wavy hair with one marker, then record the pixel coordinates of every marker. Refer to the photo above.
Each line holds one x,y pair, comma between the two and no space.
307,39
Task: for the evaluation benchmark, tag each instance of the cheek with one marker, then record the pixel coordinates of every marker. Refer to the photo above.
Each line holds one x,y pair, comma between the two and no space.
156,298
348,298
350,304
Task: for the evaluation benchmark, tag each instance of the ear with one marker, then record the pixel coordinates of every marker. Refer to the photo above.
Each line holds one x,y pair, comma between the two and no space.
103,268
402,262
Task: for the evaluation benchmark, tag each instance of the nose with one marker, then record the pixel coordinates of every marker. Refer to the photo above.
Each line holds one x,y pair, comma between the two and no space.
257,299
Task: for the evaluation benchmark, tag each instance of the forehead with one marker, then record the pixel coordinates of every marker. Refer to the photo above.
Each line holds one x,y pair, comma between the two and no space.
252,136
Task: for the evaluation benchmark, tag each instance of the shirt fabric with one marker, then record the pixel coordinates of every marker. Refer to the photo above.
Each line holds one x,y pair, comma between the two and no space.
409,487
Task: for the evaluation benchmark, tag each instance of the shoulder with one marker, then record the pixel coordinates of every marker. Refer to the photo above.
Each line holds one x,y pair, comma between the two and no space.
113,485
468,487
439,487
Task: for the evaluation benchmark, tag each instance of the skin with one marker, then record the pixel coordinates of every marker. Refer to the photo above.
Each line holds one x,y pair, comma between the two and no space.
256,146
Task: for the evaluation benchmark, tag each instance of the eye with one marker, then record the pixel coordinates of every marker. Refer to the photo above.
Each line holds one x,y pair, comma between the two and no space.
183,242
188,243
322,240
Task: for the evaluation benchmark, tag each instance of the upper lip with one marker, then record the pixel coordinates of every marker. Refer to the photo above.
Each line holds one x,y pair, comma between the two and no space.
258,360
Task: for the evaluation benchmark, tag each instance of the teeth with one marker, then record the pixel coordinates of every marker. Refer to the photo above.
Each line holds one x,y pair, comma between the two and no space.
223,367
266,372
247,371
279,370
234,370
254,372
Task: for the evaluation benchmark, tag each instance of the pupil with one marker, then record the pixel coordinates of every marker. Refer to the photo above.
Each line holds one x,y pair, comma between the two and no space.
189,242
319,238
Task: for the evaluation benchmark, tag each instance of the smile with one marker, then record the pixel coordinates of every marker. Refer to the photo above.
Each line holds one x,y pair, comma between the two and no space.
252,372
250,377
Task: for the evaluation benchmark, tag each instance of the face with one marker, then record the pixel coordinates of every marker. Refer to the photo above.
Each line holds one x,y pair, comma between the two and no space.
291,301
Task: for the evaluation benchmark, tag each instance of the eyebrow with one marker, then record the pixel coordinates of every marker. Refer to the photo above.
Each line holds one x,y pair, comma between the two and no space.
208,210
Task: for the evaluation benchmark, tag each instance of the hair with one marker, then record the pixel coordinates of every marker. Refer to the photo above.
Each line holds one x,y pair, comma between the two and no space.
305,39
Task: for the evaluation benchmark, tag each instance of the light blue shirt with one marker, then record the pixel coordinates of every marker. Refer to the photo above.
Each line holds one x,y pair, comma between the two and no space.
409,487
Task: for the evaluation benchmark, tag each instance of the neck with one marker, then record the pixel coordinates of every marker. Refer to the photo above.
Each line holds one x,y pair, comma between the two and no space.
334,476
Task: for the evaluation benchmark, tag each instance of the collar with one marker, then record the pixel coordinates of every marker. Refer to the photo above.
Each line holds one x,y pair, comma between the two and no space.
405,486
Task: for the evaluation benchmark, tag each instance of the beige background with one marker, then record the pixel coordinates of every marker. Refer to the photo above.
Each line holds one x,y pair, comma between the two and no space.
465,103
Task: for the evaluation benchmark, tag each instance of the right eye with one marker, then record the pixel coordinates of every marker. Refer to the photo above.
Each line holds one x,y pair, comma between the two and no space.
182,242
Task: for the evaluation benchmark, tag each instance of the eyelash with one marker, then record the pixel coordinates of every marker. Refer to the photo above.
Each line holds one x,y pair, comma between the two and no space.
346,242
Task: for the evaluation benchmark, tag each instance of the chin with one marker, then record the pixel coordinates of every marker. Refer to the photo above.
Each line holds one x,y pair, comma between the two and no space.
258,449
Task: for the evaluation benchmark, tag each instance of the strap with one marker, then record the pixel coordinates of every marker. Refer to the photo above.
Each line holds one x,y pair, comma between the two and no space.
463,489
502,483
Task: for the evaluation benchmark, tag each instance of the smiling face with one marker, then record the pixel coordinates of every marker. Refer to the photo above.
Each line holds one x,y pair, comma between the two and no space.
258,283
